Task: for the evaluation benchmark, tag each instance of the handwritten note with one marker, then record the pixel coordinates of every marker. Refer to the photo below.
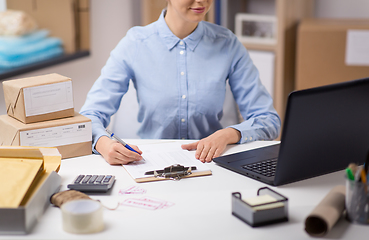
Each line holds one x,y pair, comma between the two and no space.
147,203
132,190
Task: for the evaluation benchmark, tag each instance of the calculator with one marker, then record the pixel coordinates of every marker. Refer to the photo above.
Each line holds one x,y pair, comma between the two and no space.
92,183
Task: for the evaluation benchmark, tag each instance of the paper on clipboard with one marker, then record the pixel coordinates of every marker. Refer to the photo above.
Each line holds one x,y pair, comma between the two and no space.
160,155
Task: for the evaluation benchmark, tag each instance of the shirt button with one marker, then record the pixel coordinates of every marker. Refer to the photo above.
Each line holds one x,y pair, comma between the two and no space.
182,73
250,138
181,52
245,138
183,120
183,96
183,138
181,43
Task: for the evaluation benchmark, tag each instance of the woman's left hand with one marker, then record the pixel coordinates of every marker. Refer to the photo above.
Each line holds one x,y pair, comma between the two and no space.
213,145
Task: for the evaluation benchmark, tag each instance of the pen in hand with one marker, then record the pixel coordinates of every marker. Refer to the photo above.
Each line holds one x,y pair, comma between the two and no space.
112,135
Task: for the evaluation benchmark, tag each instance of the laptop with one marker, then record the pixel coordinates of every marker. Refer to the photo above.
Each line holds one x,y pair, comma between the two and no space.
325,129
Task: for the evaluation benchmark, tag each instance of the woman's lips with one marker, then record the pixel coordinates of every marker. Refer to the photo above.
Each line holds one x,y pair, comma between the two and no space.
198,10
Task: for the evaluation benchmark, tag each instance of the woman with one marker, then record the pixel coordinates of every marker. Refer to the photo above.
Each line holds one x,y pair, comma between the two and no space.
179,66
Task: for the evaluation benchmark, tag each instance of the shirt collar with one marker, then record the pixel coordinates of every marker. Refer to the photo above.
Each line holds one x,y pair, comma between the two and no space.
172,40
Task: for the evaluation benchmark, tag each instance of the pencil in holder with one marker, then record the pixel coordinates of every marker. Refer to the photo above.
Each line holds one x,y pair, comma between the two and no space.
357,201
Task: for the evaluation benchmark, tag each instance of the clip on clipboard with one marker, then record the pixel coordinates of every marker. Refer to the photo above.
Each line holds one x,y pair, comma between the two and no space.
174,172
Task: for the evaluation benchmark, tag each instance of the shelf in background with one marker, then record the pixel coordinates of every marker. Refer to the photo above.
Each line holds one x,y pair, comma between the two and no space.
260,47
4,74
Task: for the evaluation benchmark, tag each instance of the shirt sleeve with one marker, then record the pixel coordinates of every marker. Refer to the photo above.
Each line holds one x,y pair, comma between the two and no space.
104,98
255,103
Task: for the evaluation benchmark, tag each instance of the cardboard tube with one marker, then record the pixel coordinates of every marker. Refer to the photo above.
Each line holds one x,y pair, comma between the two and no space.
321,220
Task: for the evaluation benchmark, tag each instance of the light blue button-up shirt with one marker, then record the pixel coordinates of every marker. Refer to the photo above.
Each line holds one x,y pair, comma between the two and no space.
181,84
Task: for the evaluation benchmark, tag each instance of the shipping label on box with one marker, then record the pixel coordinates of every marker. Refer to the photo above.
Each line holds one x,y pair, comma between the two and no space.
357,48
57,136
71,136
39,98
48,98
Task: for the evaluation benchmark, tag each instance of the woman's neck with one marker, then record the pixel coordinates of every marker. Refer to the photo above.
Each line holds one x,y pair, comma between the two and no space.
179,26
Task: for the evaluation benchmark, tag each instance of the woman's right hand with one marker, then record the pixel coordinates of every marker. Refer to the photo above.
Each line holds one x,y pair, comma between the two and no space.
115,153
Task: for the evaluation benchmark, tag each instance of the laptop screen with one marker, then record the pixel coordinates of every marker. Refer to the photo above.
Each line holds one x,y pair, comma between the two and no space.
325,129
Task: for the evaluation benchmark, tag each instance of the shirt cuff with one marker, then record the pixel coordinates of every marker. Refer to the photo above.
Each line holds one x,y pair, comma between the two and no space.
247,134
97,133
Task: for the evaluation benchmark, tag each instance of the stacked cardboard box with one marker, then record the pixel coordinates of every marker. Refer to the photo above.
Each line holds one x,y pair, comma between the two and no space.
323,50
25,194
40,112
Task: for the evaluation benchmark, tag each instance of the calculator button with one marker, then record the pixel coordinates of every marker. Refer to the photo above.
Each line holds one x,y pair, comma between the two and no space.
79,178
93,183
92,179
107,179
85,180
100,178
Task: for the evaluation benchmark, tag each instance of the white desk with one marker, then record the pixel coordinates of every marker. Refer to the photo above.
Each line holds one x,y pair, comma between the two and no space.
202,206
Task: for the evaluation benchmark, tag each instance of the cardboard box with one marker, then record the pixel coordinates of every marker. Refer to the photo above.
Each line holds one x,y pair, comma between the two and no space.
22,219
71,136
83,13
59,16
321,52
39,98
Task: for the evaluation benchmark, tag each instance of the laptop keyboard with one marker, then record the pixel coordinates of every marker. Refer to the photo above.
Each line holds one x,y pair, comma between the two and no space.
266,167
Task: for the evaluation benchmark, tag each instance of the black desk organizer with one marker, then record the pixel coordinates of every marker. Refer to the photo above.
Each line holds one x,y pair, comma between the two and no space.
256,218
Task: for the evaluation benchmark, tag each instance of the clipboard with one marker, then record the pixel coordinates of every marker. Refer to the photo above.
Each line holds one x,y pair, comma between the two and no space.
173,172
169,158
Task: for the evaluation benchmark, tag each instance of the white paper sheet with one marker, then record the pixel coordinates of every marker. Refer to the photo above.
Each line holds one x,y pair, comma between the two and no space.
160,155
357,48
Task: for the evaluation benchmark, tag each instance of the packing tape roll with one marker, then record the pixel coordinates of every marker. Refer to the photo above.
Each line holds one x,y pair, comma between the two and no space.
82,216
